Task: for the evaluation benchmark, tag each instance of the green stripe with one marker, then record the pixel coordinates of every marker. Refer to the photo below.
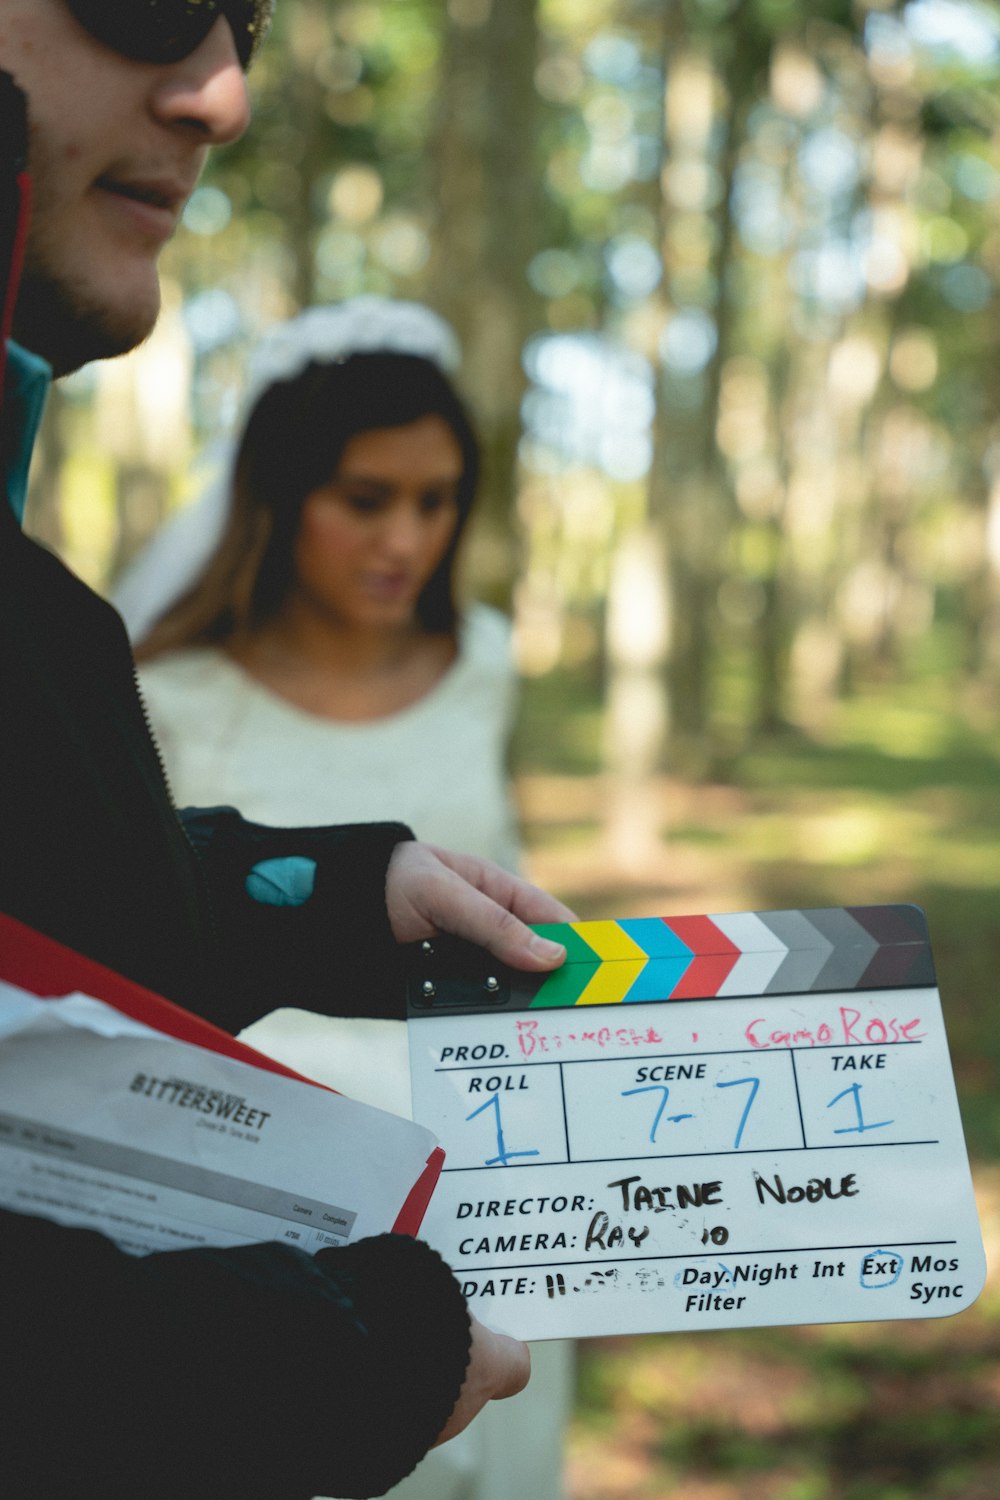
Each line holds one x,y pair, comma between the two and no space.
577,951
564,986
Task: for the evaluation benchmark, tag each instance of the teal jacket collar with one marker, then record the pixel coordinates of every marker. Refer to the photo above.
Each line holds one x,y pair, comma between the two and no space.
25,389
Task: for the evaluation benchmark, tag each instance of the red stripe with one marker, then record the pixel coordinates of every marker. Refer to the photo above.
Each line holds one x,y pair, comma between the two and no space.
701,935
39,964
715,956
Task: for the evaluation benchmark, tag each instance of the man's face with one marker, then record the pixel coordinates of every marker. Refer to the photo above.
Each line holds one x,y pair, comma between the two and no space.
115,149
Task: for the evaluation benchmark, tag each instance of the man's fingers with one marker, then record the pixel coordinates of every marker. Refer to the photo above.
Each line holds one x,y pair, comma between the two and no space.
498,1367
529,902
497,921
510,1358
467,913
431,890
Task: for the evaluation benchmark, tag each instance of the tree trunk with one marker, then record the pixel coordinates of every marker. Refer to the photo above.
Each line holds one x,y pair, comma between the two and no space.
486,199
689,487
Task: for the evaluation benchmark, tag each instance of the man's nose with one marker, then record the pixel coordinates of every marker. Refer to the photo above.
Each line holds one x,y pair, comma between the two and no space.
206,92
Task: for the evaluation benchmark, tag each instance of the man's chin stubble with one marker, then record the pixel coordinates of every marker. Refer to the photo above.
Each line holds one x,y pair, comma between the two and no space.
69,329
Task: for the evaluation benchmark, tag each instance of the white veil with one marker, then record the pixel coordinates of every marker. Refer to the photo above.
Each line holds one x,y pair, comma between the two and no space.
176,556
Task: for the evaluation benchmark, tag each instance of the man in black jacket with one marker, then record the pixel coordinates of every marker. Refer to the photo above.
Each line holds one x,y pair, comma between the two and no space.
258,1372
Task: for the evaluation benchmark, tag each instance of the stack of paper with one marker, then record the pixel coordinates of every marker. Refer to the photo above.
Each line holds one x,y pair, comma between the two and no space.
110,1121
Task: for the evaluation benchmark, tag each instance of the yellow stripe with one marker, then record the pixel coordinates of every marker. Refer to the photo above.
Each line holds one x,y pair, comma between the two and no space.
608,940
612,981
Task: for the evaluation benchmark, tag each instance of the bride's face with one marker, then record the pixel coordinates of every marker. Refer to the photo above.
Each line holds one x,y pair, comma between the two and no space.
369,541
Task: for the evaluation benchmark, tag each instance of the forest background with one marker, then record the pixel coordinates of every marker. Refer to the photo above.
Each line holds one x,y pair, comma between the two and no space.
727,277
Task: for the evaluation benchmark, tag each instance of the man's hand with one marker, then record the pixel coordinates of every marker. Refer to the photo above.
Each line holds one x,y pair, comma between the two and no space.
498,1367
429,890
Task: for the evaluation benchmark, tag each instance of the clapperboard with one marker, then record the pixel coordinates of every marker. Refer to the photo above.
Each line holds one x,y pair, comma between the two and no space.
697,1122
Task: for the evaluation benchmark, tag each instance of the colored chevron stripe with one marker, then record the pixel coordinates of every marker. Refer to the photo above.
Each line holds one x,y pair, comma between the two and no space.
733,954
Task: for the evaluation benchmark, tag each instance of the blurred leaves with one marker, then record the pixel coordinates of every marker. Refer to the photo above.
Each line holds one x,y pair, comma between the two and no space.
726,276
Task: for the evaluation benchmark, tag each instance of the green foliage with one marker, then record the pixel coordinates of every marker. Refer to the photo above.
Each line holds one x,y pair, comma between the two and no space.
786,215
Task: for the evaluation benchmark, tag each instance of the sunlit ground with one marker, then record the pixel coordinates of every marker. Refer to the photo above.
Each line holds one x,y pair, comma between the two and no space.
899,802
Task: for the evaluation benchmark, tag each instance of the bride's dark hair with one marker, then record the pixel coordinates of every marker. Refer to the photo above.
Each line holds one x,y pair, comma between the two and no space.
292,445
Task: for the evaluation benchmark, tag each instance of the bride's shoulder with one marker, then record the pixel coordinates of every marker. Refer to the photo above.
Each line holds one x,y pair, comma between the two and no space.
485,634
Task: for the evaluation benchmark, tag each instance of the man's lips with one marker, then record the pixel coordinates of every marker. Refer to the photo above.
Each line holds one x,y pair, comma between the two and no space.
154,205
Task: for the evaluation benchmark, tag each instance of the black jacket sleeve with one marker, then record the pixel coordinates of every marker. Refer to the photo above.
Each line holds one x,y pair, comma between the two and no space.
332,952
255,1373
98,857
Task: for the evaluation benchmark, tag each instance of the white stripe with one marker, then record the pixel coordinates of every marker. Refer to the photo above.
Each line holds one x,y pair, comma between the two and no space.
753,972
749,933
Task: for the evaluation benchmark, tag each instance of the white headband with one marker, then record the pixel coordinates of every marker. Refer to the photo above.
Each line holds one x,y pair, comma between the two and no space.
363,325
175,557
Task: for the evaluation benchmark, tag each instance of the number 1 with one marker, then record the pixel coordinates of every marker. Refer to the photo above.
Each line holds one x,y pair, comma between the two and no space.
860,1127
503,1156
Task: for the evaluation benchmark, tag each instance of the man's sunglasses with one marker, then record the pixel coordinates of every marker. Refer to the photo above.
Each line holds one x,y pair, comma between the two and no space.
164,31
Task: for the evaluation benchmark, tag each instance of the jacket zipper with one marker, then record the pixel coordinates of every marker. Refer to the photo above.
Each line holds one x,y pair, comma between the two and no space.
207,905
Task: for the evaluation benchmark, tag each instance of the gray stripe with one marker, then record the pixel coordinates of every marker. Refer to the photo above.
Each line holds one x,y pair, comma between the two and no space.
853,949
808,951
